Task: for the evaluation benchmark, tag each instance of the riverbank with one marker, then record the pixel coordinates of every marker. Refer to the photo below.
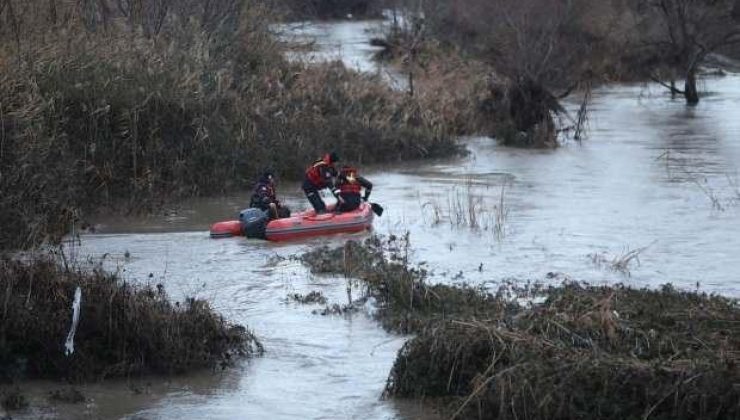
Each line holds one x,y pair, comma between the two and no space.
583,352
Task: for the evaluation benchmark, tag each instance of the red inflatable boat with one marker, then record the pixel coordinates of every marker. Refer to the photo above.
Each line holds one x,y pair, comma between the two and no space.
301,225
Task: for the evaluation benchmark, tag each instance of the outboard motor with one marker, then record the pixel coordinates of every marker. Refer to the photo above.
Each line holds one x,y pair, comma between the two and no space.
254,222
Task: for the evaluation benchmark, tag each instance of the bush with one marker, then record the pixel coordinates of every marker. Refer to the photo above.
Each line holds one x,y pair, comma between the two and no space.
587,352
123,329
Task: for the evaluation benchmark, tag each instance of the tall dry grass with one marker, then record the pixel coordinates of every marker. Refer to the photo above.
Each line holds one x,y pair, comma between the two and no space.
123,329
470,205
127,108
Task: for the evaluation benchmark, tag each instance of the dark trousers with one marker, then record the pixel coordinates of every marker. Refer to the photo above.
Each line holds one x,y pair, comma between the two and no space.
312,193
282,211
350,201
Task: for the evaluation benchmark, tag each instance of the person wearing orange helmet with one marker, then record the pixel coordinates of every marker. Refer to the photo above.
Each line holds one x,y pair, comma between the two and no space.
320,175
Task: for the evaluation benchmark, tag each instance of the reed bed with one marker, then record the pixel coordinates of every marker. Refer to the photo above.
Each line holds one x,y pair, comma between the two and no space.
105,110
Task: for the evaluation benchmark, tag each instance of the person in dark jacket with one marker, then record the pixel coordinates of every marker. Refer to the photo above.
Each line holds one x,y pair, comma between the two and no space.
348,187
320,175
265,198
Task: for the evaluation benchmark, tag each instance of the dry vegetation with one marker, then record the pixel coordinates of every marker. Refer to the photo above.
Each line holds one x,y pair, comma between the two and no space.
608,352
128,104
679,35
501,67
470,206
520,59
448,82
123,329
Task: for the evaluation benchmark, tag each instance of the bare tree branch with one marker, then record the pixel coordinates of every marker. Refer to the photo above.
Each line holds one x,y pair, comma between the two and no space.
687,31
672,88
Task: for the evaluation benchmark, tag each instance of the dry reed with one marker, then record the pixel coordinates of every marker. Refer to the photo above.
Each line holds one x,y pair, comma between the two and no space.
123,330
101,109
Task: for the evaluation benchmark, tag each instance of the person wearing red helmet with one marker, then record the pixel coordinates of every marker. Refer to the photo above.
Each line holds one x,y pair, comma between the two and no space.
348,187
320,175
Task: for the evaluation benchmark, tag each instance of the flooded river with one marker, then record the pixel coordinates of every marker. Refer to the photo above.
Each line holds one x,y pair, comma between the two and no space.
654,178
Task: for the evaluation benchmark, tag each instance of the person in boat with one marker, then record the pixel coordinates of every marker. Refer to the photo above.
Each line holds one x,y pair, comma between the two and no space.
320,175
265,198
348,187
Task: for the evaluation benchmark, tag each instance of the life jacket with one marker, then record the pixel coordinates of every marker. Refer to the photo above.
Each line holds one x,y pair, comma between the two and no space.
315,172
348,183
269,190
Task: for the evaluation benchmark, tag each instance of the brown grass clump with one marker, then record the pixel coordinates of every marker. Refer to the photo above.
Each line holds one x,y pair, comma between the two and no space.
123,329
609,352
587,352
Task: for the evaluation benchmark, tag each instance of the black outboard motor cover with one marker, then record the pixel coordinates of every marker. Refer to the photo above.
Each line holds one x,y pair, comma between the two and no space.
254,222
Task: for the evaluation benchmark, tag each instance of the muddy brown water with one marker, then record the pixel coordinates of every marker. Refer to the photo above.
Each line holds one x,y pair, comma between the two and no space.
653,175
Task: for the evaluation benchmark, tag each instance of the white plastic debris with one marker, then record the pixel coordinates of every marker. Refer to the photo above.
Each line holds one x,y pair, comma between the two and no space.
70,344
371,306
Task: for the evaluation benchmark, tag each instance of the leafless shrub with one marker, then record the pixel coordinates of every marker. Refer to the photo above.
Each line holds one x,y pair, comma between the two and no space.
678,35
619,262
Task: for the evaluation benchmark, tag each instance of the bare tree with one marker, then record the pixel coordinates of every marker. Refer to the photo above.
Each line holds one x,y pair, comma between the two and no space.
409,34
680,34
537,47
